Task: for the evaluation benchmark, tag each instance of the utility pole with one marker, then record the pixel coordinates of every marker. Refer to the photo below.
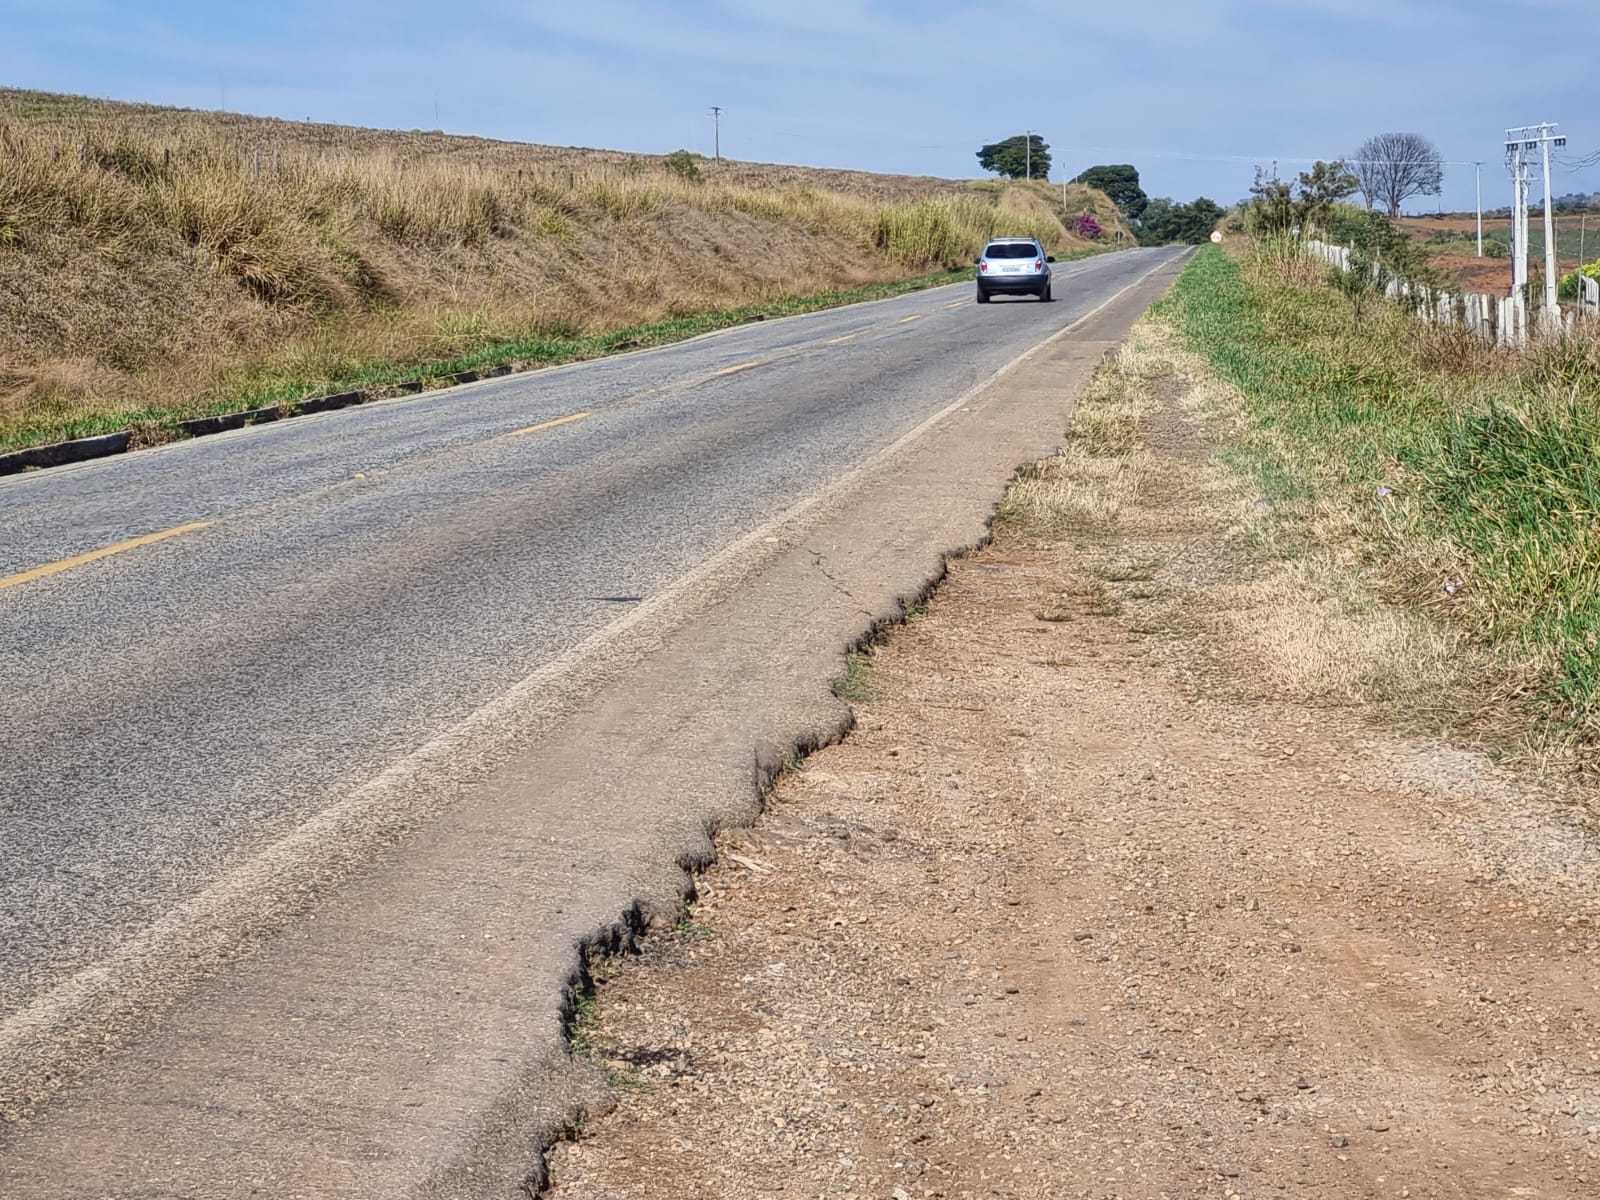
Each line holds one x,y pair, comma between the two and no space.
1552,312
716,117
1027,154
1478,170
1519,141
1519,207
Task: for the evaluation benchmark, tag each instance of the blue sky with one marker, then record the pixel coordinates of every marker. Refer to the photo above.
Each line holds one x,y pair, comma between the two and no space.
1178,87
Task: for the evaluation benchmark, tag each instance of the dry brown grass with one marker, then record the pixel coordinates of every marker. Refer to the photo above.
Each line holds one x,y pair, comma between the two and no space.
1304,616
156,260
1317,628
1104,463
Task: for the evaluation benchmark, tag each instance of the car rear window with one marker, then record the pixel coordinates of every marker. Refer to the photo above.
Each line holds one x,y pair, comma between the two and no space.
1011,250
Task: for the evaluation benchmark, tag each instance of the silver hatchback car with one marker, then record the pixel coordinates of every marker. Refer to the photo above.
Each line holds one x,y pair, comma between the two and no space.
1014,266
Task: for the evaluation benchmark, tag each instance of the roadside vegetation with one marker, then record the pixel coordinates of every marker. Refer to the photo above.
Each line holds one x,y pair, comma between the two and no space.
1453,480
157,264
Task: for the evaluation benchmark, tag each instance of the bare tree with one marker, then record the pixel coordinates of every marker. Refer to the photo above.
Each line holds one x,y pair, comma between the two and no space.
1393,167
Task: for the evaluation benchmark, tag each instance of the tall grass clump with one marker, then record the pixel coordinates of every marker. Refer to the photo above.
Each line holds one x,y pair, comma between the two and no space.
157,263
289,226
1467,479
947,231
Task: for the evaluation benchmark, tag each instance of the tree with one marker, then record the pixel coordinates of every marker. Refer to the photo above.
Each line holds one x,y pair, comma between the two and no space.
1321,188
1272,207
1155,222
1195,221
1393,167
1020,157
1120,181
1164,222
1305,206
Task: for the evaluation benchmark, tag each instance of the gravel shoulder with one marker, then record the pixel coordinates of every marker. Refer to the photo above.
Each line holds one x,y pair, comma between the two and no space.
1086,905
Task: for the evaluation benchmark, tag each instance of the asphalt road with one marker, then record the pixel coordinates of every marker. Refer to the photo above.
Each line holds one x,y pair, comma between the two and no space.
291,610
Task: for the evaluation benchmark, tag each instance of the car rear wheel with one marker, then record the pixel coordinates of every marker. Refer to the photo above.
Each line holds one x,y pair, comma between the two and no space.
983,296
1045,295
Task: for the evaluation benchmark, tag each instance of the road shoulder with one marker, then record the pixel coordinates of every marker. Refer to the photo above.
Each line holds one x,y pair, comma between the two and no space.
1086,905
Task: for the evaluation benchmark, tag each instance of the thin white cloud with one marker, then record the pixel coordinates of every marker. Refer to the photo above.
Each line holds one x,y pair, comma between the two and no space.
860,83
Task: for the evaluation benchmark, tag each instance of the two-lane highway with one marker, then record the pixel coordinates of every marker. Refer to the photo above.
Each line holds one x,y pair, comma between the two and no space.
207,648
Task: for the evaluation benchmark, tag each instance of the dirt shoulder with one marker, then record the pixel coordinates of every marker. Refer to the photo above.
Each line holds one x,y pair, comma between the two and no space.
1086,907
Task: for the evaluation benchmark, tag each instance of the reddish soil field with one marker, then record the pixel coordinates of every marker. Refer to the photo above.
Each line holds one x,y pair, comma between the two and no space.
1577,240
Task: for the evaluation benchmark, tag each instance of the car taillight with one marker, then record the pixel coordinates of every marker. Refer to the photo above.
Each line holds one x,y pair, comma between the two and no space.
983,266
1038,264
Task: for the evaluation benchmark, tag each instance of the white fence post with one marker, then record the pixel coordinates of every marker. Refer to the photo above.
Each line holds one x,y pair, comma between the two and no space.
1502,320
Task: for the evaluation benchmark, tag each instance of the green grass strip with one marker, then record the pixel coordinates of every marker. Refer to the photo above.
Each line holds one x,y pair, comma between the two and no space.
1474,477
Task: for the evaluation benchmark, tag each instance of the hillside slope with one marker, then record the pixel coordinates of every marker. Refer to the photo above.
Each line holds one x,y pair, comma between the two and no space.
157,263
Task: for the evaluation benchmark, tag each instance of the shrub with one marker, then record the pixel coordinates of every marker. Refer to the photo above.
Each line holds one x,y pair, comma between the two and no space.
1381,247
1085,226
682,164
1569,281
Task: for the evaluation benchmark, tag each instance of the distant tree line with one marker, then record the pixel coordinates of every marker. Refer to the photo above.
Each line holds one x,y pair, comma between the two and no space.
1157,221
1576,202
1154,222
1166,221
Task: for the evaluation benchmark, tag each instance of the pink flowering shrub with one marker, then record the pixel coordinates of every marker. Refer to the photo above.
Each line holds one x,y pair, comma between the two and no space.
1086,227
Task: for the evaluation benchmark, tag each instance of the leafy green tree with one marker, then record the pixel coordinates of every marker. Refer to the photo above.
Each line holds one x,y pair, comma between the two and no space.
1320,189
1271,209
1164,222
1155,222
1016,159
1308,205
1197,220
1120,181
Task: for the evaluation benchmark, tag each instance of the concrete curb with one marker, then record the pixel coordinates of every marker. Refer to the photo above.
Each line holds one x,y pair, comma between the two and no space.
58,454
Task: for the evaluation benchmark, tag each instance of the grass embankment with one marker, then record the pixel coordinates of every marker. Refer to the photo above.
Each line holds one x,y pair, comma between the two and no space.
157,264
1465,481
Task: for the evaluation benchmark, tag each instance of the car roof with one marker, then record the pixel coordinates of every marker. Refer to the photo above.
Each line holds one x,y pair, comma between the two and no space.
1023,238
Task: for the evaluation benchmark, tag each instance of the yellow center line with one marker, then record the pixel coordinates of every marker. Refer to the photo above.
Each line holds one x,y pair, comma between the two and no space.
79,560
957,304
744,366
846,338
543,425
912,317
